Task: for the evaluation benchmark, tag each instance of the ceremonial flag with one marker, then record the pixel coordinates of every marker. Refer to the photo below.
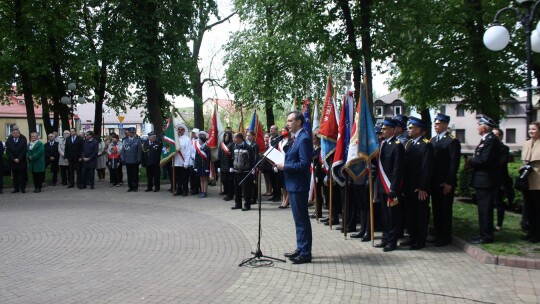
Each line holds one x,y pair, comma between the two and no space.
364,144
215,133
169,140
328,129
241,128
306,111
315,127
256,127
344,137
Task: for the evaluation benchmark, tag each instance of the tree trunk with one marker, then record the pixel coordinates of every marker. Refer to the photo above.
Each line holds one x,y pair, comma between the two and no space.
24,33
198,100
426,118
100,98
49,128
59,88
365,30
269,110
352,49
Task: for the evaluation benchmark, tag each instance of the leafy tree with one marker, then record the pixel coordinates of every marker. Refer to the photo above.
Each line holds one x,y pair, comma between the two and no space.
436,52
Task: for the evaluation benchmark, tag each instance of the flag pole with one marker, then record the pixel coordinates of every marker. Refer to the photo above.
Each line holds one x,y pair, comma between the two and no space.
331,200
317,215
345,206
173,176
371,223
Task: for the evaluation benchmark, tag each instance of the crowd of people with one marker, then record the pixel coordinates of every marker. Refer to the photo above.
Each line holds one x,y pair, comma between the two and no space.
410,172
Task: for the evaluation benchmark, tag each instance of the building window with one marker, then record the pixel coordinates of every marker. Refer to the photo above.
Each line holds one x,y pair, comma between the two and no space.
111,130
460,112
378,111
9,129
460,135
512,109
397,110
39,128
442,110
510,136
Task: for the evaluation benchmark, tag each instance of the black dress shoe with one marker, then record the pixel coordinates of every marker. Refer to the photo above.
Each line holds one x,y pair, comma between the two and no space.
15,191
333,223
291,255
156,190
441,243
23,191
185,194
301,259
147,190
129,190
313,215
35,190
324,220
417,246
366,238
358,235
70,186
91,187
246,209
381,245
407,242
135,190
389,247
227,198
481,241
236,207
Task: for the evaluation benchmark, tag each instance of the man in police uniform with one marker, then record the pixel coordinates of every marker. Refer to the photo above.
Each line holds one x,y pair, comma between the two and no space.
131,157
486,178
389,181
446,155
152,156
417,183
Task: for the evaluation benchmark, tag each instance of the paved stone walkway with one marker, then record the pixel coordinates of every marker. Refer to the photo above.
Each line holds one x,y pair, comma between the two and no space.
109,246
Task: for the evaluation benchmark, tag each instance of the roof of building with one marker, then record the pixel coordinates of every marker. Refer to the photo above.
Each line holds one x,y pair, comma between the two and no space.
390,98
15,107
86,113
225,104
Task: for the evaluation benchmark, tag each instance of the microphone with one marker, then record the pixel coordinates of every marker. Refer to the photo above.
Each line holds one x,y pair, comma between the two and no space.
280,137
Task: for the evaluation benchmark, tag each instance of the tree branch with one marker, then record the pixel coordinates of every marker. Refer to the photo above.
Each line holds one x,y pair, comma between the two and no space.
208,27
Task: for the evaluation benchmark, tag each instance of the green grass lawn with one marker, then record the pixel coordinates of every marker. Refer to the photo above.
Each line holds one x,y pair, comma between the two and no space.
507,242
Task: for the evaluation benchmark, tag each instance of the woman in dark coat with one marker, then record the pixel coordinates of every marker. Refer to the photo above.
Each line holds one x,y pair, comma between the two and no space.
202,162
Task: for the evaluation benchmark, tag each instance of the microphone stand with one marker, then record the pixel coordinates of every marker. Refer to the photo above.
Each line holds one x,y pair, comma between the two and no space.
259,259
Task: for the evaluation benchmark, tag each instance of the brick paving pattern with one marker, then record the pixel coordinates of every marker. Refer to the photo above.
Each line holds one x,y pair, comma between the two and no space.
109,246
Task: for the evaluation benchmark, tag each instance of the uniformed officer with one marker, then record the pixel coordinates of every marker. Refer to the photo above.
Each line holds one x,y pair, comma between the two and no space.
401,128
486,178
446,155
389,184
131,157
151,157
417,183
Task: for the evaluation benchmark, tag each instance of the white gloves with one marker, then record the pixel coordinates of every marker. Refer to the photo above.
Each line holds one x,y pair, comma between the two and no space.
206,171
195,170
231,170
219,170
185,165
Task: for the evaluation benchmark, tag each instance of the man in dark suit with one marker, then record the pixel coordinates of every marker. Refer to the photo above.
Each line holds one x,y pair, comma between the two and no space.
74,145
506,187
389,184
2,149
446,155
486,178
89,156
16,152
297,176
51,157
417,183
151,158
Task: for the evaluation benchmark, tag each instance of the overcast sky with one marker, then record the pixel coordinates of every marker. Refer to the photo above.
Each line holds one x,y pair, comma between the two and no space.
211,58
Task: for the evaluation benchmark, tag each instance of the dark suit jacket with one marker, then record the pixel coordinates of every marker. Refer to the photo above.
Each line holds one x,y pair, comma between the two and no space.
297,162
90,150
73,149
51,151
16,150
485,163
152,153
418,165
2,149
446,155
391,156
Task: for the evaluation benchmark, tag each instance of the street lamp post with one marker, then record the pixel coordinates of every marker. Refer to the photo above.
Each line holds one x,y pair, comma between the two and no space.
70,100
497,37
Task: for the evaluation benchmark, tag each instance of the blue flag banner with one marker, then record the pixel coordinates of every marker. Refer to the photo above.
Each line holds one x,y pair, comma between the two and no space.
364,144
306,111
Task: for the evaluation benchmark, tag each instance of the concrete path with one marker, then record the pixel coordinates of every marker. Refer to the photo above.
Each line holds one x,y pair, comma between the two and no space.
110,246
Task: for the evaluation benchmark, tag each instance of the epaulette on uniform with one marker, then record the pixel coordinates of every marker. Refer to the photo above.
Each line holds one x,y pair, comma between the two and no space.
426,140
450,135
398,142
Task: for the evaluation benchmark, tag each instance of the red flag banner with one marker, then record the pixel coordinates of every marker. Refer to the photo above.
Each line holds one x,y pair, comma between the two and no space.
328,128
